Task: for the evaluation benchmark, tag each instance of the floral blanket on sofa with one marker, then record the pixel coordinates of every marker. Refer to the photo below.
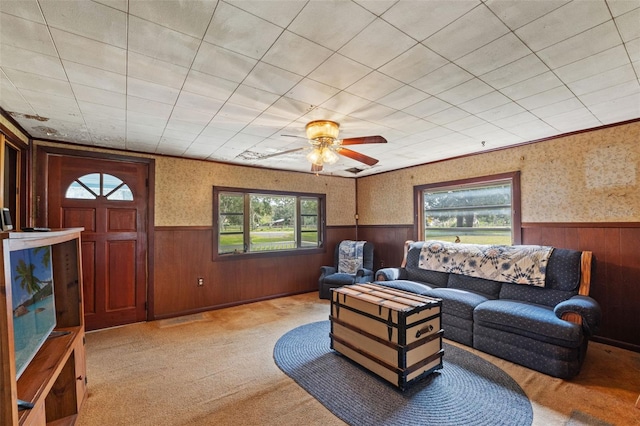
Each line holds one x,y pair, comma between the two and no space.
511,264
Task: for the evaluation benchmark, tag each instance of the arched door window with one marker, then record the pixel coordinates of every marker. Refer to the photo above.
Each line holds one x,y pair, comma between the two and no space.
94,185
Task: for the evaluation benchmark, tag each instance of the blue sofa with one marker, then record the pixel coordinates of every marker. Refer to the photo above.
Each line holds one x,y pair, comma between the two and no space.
543,328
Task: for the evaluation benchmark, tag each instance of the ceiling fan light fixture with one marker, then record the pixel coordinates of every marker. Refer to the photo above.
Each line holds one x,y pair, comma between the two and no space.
328,156
315,157
322,129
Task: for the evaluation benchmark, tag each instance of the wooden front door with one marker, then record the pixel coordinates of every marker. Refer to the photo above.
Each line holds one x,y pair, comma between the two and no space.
109,199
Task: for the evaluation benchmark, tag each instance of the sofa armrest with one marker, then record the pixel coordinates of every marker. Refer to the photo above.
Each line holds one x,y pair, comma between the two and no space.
390,274
583,306
327,270
364,275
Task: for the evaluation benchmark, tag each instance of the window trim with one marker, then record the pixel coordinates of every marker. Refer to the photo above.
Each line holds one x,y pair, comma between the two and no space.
516,215
322,232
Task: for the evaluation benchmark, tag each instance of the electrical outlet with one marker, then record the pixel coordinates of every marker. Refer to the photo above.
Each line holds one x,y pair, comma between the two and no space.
200,282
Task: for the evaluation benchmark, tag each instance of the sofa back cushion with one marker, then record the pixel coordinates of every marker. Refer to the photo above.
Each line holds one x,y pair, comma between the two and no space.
538,295
414,273
487,288
564,270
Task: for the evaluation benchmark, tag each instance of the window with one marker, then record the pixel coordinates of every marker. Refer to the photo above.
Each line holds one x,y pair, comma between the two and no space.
93,185
266,221
482,210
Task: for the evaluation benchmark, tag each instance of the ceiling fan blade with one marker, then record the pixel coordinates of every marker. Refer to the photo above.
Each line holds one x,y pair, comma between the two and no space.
315,168
363,140
281,153
369,161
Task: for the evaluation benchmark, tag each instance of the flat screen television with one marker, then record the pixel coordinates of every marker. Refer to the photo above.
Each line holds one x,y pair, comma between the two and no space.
34,312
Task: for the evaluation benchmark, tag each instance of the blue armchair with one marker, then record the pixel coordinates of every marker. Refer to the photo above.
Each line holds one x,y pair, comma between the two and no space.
353,263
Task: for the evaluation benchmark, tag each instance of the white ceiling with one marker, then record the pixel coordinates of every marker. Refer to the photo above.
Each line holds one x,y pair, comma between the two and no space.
224,80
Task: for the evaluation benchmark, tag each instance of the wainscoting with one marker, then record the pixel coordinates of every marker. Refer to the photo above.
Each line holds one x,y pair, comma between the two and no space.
184,254
615,282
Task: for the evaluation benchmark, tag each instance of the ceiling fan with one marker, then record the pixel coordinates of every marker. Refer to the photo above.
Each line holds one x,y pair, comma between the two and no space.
325,145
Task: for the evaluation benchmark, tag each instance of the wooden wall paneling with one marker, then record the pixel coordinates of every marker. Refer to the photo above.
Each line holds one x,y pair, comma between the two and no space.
388,242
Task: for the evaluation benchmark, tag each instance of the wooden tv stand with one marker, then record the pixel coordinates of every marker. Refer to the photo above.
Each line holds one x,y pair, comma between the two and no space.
55,380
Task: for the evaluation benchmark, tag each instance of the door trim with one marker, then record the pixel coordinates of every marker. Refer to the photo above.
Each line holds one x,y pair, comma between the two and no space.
40,214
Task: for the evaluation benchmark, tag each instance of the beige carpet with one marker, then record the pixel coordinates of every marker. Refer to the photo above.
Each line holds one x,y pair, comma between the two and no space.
216,368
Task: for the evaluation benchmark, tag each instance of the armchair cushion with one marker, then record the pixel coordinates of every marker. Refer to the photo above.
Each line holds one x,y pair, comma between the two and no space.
353,263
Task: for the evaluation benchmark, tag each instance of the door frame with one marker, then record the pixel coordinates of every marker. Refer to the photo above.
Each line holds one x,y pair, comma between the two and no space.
40,210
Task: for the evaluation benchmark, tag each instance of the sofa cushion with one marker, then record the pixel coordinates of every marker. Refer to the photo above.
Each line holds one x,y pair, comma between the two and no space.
488,288
340,279
527,319
405,285
537,295
563,270
459,303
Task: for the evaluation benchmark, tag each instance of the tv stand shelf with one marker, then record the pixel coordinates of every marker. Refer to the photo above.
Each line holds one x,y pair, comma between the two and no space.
54,381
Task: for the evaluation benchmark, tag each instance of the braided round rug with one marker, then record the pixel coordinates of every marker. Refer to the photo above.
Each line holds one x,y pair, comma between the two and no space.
467,391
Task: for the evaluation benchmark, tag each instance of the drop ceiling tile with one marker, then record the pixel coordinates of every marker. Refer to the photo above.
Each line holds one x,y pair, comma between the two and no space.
189,17
546,98
209,85
102,112
427,107
465,123
26,9
516,120
481,131
156,71
311,92
403,97
242,141
215,135
241,32
345,103
49,105
99,96
501,111
373,112
288,109
189,115
516,13
377,7
142,118
122,5
629,25
620,109
272,79
12,100
88,19
253,98
235,114
611,93
442,79
180,135
153,108
420,19
486,102
39,83
633,47
619,7
515,72
573,120
222,63
296,54
496,54
472,31
25,34
350,72
374,86
530,87
583,45
150,39
279,12
88,76
198,102
84,51
593,65
557,108
533,130
224,121
563,23
602,81
377,44
37,63
151,91
448,115
413,64
317,17
142,129
466,91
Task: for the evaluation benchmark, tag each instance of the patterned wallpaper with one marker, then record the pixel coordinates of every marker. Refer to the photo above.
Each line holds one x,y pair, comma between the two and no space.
587,177
184,190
